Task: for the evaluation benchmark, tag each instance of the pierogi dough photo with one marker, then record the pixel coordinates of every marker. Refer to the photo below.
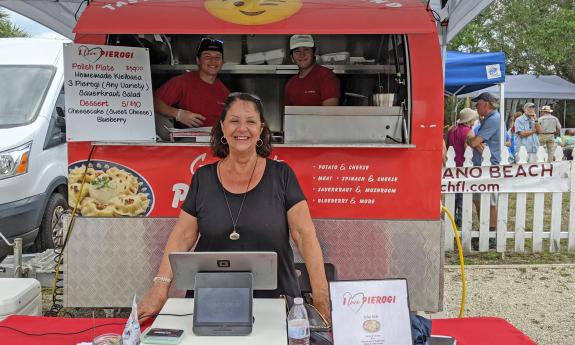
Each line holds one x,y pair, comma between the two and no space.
107,192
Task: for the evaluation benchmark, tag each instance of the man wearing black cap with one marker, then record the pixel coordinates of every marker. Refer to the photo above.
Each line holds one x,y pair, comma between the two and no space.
195,99
489,134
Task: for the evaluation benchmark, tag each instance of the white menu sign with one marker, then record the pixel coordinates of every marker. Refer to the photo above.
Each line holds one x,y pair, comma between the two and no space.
370,312
108,93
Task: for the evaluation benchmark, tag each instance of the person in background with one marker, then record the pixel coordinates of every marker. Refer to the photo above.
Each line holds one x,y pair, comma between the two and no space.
194,99
488,134
550,127
568,143
526,129
511,135
457,136
245,202
313,85
444,153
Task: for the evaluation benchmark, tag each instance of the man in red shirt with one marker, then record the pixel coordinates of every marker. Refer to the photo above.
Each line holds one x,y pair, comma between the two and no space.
195,99
314,85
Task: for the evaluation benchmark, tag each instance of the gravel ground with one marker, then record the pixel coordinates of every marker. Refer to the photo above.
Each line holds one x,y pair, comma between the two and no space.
537,299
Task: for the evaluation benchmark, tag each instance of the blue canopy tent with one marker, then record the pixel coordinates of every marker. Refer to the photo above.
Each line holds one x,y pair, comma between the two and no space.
468,72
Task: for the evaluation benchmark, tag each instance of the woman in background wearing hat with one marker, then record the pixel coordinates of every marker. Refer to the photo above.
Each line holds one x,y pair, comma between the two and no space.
550,127
457,137
196,98
314,85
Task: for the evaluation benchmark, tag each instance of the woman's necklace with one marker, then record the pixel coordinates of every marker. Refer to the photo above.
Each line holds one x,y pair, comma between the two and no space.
234,235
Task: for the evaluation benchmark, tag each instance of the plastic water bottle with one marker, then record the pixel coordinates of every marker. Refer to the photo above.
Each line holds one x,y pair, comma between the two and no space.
298,324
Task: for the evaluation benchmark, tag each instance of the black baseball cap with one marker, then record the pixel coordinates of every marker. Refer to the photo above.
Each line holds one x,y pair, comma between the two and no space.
209,43
485,96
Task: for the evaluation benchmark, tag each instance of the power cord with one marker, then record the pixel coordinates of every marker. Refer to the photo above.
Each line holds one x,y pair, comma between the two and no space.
58,287
461,261
87,329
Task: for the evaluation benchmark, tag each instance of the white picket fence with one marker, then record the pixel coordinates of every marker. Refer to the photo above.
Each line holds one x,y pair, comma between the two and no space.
556,232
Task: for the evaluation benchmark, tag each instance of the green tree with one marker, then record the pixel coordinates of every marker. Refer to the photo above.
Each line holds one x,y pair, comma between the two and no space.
537,36
7,29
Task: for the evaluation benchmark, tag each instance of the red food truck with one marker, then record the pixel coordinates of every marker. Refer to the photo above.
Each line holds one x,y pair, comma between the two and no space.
370,169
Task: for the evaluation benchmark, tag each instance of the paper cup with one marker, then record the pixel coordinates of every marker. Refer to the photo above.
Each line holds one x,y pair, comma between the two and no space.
383,99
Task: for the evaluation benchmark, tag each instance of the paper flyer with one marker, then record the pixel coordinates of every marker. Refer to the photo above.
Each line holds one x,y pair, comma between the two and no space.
370,312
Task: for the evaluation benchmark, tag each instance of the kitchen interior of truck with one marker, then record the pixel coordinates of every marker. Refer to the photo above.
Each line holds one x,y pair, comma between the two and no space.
373,71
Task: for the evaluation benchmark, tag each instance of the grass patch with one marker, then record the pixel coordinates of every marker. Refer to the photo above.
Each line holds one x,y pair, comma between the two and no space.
510,257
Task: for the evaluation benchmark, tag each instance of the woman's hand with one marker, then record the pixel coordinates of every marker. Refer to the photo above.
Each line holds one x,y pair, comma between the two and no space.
322,305
153,302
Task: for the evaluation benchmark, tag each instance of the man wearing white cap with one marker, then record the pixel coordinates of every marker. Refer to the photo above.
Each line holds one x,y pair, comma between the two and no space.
314,85
526,130
550,126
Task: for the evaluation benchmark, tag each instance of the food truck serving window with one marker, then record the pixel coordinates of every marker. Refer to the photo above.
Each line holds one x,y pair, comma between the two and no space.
373,71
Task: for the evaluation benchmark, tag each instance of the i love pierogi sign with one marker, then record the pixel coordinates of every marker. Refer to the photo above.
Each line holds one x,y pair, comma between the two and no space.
372,312
108,93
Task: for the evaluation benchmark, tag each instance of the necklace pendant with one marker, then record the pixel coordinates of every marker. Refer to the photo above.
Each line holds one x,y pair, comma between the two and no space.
234,236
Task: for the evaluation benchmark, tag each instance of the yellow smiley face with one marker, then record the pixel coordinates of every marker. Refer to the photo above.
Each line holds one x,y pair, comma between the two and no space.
252,12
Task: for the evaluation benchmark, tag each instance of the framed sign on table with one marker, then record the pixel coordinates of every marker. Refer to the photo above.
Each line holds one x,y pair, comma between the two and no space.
370,312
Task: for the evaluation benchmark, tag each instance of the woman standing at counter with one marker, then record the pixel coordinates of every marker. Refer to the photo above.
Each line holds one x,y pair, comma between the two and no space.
245,202
314,85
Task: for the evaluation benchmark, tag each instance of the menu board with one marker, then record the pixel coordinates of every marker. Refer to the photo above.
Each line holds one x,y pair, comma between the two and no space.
370,312
108,93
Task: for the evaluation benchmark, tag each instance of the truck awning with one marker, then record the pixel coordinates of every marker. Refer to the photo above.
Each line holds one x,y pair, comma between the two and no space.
255,17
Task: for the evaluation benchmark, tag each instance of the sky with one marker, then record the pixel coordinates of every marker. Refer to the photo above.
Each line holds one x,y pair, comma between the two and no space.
31,27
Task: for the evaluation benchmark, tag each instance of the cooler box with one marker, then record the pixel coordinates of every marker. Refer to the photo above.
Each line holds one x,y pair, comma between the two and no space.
21,296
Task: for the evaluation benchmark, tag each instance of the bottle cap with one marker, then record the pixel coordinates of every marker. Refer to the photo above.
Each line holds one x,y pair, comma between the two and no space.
298,300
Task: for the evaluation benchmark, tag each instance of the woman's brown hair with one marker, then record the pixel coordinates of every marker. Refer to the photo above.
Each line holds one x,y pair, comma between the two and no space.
221,150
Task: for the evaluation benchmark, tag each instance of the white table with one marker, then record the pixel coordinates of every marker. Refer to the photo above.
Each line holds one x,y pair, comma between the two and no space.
269,326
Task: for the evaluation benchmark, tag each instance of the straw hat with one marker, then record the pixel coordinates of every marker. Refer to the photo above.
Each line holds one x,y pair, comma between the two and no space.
467,115
546,109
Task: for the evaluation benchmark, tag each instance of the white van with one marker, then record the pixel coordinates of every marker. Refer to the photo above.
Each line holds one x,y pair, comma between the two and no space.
33,151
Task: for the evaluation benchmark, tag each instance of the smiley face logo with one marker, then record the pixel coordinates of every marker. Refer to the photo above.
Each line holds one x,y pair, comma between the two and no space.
252,12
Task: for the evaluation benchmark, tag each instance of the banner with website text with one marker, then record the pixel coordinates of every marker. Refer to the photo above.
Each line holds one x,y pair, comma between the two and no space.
537,177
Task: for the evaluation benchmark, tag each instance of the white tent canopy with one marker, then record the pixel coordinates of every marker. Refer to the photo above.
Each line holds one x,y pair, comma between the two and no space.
542,90
458,13
61,15
528,86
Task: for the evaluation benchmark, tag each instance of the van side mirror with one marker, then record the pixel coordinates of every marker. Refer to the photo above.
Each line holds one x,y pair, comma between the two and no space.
60,112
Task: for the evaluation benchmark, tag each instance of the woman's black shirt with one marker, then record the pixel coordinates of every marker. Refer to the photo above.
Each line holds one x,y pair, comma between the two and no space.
262,224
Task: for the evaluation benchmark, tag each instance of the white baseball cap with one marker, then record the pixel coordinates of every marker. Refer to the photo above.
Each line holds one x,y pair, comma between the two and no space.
297,41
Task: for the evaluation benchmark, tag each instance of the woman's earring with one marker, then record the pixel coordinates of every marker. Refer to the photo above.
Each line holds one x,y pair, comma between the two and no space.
260,142
223,140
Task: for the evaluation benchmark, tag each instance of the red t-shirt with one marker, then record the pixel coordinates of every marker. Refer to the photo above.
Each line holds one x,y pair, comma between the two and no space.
320,84
189,92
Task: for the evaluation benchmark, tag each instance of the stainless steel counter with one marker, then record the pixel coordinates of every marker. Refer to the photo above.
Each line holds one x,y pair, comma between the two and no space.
342,125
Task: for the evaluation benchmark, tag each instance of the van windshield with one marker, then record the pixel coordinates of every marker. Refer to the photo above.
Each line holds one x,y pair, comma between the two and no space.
23,89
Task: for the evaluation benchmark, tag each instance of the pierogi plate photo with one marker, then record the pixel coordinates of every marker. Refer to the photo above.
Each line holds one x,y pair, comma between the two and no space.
110,190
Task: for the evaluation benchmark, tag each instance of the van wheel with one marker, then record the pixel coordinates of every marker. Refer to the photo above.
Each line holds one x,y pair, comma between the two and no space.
51,233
